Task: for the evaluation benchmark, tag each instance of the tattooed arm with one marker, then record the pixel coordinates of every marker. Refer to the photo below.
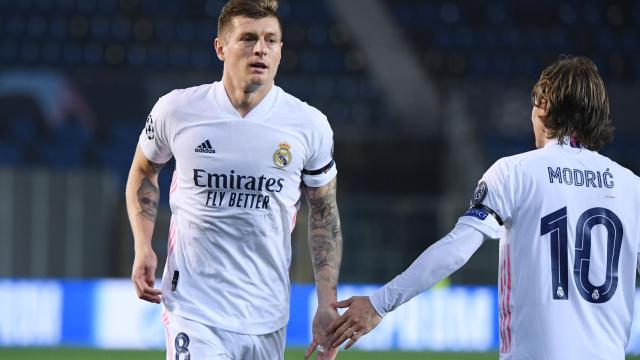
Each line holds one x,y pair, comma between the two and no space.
325,239
143,197
325,246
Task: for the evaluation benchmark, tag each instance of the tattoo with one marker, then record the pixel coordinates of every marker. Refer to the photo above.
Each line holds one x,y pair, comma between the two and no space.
149,198
325,236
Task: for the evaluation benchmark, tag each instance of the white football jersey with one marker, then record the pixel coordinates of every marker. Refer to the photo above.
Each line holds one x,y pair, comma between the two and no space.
568,260
234,197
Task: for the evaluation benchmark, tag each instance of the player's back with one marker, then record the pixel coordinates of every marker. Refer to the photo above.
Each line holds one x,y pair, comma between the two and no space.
567,265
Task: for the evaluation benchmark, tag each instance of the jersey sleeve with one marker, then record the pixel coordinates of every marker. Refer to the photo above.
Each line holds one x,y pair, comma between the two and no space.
434,264
492,201
154,139
320,168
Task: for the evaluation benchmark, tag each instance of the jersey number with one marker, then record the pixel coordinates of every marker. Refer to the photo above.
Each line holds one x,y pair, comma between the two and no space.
182,347
556,224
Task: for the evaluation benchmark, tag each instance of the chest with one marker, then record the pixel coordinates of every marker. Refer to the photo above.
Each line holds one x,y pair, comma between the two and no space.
240,148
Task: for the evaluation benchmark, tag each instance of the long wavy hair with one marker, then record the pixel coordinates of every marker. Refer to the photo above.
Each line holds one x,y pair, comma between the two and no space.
577,102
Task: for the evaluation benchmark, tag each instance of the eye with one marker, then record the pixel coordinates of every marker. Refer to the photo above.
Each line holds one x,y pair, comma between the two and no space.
247,38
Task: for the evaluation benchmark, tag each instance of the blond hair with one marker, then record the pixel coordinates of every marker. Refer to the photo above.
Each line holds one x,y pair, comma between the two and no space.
255,9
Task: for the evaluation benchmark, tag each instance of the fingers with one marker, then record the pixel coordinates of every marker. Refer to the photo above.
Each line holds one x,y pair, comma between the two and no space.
311,349
336,323
146,292
344,303
150,294
143,280
356,336
344,329
151,277
352,334
343,336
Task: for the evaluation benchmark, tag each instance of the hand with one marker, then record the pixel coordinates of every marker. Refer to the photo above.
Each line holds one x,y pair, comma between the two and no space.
359,320
143,276
322,319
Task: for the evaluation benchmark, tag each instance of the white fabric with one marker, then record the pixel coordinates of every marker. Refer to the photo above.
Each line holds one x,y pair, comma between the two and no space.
482,221
528,187
234,198
434,264
186,337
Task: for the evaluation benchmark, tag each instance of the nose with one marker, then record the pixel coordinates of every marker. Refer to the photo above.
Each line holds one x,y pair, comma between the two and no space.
260,49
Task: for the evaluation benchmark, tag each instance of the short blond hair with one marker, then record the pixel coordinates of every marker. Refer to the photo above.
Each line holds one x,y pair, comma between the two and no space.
255,9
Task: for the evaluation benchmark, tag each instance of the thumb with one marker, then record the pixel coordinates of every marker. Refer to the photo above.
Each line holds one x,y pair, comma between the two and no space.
344,303
150,275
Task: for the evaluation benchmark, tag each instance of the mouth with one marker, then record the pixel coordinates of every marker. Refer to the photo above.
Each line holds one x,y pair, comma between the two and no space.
258,65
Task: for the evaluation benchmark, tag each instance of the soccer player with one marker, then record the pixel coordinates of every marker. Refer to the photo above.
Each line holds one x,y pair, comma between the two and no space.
244,150
568,261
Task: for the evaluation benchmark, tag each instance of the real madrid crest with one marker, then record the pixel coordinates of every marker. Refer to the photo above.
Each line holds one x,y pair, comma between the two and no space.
282,156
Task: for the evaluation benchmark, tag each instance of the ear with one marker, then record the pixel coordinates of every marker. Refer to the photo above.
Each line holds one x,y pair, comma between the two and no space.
544,106
218,45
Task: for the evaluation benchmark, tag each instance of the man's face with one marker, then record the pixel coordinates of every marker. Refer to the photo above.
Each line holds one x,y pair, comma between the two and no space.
537,114
251,50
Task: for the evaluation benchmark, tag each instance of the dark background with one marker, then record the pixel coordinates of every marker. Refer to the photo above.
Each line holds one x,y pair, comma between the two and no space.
78,78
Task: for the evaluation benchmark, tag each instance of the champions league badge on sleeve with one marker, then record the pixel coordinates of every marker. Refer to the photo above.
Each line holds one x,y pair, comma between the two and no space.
282,156
149,130
479,195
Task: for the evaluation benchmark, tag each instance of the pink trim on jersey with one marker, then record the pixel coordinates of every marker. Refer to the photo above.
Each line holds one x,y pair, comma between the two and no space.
172,237
508,298
294,218
167,335
174,183
505,301
501,307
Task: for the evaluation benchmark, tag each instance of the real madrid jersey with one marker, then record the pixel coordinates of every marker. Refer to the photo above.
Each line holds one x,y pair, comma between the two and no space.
234,198
569,257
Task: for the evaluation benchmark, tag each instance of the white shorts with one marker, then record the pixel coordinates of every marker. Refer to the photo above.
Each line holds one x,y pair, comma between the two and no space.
187,339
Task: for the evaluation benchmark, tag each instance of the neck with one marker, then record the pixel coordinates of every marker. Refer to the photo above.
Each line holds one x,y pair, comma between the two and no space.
244,97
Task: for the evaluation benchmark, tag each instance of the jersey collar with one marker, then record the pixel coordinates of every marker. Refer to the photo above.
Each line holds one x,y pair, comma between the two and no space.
258,113
568,143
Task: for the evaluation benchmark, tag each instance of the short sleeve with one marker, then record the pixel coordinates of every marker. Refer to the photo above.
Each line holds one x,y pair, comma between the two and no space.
320,168
492,202
154,139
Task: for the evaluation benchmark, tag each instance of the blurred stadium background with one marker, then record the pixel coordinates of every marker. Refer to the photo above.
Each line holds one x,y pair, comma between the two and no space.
422,96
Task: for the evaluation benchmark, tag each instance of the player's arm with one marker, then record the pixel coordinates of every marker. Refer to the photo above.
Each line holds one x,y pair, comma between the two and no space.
143,197
325,246
325,239
436,263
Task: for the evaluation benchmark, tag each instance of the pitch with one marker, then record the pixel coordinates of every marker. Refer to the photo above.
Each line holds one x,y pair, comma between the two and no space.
291,354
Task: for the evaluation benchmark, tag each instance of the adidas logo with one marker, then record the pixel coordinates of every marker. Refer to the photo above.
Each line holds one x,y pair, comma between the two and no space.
205,147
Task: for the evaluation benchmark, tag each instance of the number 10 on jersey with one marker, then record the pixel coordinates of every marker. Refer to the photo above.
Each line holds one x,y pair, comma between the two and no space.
555,224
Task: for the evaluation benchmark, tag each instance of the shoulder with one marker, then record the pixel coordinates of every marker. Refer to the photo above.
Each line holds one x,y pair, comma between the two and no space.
618,170
178,98
509,164
290,105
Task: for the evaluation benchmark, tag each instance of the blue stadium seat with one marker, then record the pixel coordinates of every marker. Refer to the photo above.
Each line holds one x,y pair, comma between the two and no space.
11,154
60,155
57,27
23,130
